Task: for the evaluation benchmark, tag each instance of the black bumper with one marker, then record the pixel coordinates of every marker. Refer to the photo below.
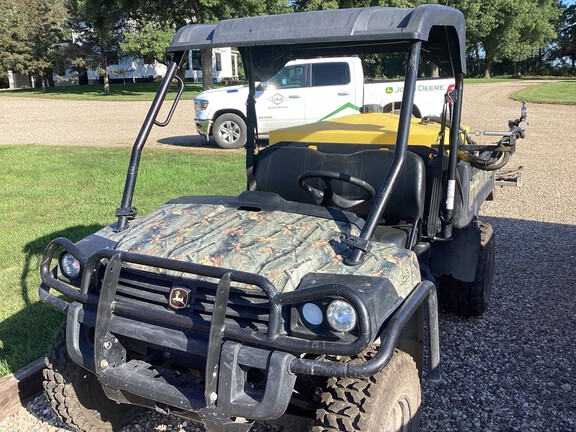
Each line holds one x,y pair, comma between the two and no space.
229,353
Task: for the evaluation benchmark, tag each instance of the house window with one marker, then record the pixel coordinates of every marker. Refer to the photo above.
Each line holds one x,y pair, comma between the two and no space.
218,62
196,60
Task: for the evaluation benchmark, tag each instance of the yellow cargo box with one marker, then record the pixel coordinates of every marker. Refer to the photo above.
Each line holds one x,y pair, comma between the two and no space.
368,128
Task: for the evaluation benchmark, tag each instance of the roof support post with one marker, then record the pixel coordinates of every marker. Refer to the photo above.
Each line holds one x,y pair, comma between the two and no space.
251,122
126,212
383,196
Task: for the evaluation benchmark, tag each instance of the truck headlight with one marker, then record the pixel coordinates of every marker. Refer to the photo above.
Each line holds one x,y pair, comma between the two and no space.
341,315
70,265
200,104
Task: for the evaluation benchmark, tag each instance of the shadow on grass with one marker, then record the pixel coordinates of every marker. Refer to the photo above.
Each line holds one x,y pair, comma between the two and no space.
191,141
26,335
198,141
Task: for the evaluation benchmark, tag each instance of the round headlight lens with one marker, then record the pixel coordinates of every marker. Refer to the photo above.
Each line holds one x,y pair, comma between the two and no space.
312,314
341,316
70,265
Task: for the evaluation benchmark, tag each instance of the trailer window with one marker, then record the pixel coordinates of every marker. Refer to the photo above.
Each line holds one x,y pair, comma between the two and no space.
328,74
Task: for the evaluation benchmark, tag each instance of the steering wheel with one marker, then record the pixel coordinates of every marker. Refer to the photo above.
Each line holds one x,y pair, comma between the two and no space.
327,196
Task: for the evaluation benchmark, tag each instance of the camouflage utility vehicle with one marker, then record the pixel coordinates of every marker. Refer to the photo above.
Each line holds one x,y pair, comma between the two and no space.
314,290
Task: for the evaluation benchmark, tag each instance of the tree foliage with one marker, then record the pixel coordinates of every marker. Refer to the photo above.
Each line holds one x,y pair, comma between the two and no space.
564,50
309,5
148,41
170,15
36,37
29,31
513,30
97,25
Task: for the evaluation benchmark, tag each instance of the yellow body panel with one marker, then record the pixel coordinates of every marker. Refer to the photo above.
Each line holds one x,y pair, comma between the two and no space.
369,128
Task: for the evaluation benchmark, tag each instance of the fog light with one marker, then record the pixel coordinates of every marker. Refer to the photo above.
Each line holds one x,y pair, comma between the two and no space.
70,265
312,314
341,315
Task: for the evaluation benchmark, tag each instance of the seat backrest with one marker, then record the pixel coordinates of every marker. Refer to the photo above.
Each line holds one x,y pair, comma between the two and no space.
278,167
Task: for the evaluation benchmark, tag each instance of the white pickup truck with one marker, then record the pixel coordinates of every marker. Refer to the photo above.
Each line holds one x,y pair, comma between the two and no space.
307,91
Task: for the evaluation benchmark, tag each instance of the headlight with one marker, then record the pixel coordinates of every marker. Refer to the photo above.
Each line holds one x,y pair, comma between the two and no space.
200,104
341,316
312,314
70,265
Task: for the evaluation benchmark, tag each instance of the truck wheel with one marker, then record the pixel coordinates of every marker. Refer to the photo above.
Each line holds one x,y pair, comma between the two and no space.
229,131
471,298
386,402
76,396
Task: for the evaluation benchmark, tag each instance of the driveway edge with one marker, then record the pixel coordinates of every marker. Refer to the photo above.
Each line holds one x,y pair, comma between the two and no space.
20,387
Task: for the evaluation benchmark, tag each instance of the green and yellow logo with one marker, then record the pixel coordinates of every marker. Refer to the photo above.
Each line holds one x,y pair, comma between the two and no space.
389,90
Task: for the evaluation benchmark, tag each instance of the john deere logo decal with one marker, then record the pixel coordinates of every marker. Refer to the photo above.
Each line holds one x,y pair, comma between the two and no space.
277,99
178,298
389,90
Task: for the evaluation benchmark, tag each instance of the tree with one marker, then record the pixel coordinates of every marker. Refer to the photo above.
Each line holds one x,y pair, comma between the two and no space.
498,30
29,31
168,14
565,47
97,25
148,41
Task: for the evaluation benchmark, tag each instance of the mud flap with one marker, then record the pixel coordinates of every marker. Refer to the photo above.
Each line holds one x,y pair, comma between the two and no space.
457,257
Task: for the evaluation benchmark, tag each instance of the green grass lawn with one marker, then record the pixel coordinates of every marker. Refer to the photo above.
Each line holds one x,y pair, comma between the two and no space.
49,192
562,93
118,92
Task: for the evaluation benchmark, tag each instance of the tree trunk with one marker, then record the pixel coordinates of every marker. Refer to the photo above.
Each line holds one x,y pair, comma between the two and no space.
206,69
487,67
106,83
182,70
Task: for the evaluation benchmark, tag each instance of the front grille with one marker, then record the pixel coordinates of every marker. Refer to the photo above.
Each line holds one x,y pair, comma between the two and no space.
247,308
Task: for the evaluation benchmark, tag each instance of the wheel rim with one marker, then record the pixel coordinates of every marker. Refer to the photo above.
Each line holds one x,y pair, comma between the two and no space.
399,418
230,131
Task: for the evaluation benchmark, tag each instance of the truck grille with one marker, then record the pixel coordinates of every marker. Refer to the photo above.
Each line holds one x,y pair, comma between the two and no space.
149,292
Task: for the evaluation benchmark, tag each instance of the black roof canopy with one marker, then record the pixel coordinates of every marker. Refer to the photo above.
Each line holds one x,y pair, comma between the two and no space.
276,39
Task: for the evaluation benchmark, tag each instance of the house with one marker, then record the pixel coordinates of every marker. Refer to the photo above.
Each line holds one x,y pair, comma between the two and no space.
224,65
129,69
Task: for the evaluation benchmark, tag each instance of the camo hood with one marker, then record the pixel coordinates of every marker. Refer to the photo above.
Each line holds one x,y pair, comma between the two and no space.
279,245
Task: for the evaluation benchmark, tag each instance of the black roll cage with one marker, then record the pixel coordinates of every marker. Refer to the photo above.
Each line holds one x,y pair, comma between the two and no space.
266,43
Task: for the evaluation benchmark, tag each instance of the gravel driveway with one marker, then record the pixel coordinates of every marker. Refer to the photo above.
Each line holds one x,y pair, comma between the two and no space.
91,123
513,369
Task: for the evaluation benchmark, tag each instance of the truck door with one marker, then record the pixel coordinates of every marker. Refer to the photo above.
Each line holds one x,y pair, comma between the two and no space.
280,102
332,92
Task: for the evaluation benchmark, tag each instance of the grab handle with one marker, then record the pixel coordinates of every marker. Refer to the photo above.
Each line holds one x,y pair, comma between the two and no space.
174,104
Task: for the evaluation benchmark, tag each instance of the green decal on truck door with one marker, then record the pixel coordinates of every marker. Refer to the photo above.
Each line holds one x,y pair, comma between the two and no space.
342,108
